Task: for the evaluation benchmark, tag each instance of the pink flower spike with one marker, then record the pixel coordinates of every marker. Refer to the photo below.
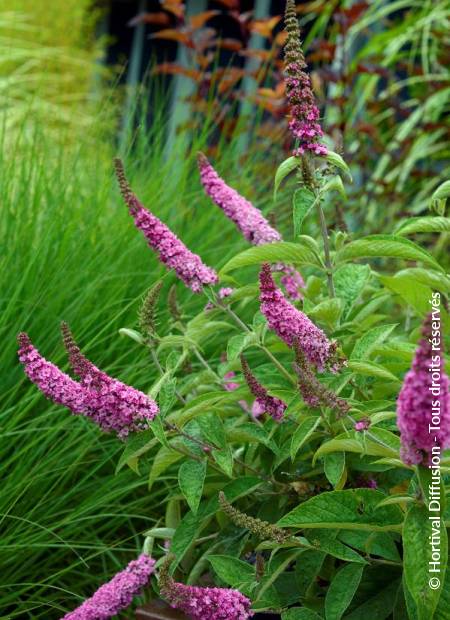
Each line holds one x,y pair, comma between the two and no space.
362,425
304,124
172,252
291,324
264,403
248,219
116,595
417,403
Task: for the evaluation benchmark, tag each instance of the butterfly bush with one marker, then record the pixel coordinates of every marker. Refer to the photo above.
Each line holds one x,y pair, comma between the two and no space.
112,405
116,595
201,603
291,324
172,252
416,402
271,405
248,219
304,122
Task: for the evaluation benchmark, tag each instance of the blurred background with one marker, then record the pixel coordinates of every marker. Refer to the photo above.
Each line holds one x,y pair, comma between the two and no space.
84,80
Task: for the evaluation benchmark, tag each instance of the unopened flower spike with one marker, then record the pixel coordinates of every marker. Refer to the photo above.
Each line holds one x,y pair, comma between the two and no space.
171,251
418,402
248,219
269,404
147,312
116,595
291,324
263,529
313,392
304,113
200,603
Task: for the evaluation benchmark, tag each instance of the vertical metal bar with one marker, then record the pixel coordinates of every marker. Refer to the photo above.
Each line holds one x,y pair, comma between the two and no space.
133,76
261,10
183,86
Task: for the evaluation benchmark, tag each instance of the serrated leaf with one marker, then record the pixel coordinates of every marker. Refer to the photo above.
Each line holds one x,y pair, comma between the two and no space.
388,444
302,433
325,541
350,509
136,445
387,246
282,252
349,282
232,571
414,293
191,477
164,458
158,429
283,170
237,344
341,591
338,161
423,225
334,468
224,459
328,311
302,203
372,339
371,369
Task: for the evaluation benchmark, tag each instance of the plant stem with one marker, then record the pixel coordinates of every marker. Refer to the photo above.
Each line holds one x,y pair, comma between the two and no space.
326,249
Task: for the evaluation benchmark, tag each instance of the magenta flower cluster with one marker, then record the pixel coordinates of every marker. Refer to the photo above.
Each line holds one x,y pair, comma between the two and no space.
117,594
416,403
264,402
248,219
208,603
291,324
304,122
171,251
110,403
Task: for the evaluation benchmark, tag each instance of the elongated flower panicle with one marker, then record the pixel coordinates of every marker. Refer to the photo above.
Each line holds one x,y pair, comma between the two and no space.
201,603
51,381
249,220
271,405
110,403
148,310
263,529
304,122
118,407
116,595
313,392
419,400
291,324
172,252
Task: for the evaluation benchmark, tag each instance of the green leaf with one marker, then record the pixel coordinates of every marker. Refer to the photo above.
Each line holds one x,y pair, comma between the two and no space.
349,509
388,444
434,280
372,370
136,445
423,224
325,541
302,203
414,293
237,344
158,429
212,429
167,396
374,543
335,184
342,590
300,613
232,571
282,252
439,197
328,311
302,433
191,477
349,282
334,468
378,606
386,246
443,606
417,553
338,161
372,339
133,334
162,461
224,459
283,170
